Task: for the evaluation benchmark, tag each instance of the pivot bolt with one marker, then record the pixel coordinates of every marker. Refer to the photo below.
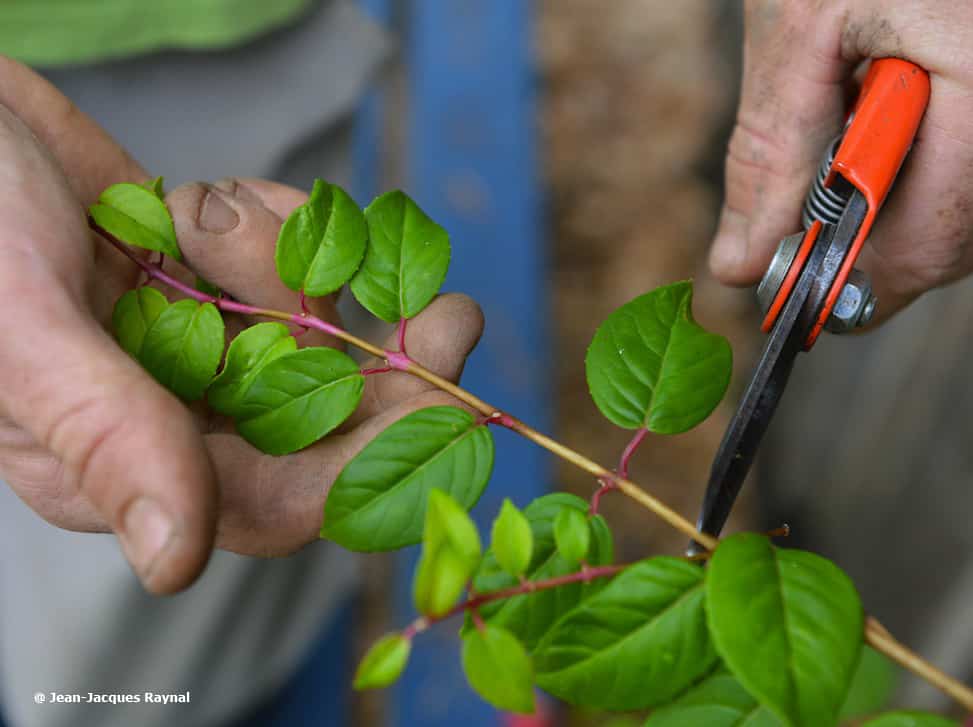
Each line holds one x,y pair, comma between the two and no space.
855,305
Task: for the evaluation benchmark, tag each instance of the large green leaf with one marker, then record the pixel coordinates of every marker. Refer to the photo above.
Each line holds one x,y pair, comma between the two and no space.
406,259
136,215
910,719
250,351
183,347
134,314
718,701
322,242
651,365
296,399
872,686
499,669
788,624
378,500
637,643
531,615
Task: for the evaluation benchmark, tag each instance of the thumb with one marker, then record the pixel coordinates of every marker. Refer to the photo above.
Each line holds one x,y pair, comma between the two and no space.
791,107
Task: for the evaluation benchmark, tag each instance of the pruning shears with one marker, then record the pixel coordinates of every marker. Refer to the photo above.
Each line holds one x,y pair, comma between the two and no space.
812,284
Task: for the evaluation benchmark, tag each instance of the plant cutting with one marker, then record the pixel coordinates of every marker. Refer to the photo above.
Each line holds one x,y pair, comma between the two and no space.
745,632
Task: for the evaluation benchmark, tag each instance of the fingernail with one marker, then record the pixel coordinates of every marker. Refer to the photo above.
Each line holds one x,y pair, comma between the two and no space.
146,532
215,215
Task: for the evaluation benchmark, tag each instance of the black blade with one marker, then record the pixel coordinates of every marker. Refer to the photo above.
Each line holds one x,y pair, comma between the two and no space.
742,438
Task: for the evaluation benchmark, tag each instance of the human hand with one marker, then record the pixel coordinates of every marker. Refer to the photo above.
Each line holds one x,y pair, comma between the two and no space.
798,60
87,438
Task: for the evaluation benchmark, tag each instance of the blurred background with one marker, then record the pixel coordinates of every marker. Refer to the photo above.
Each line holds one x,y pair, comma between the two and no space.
574,150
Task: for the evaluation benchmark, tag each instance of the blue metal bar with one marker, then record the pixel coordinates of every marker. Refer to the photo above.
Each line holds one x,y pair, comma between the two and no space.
472,167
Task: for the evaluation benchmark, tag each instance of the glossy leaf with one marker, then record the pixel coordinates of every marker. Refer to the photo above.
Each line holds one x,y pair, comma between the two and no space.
299,397
572,534
322,242
499,669
450,555
511,539
250,351
379,499
637,643
651,365
155,186
405,261
183,347
531,615
718,701
788,624
872,686
134,314
136,215
910,719
384,662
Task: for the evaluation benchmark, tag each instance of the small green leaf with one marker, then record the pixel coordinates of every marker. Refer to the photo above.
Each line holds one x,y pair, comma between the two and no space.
572,534
910,719
651,365
250,351
378,500
204,286
637,643
872,686
137,216
299,397
155,187
531,615
718,701
134,314
322,242
405,262
450,555
384,662
499,669
511,539
788,624
183,347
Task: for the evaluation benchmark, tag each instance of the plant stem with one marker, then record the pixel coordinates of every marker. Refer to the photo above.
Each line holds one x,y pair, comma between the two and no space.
629,451
881,640
478,600
875,633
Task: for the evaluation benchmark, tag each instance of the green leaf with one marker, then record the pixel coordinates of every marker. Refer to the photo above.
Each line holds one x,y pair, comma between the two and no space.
155,187
637,643
134,314
137,216
511,539
406,260
450,555
204,286
872,686
651,365
531,615
250,351
572,534
384,662
299,397
910,719
183,347
788,624
378,500
718,701
322,242
499,669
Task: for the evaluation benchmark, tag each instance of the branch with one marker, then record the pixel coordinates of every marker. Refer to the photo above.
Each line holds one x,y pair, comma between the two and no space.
875,633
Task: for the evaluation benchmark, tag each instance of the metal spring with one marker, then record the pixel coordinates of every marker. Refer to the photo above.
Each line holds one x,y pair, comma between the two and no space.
823,203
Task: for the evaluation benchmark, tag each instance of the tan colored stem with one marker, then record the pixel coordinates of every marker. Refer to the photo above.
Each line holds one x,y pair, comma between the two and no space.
878,637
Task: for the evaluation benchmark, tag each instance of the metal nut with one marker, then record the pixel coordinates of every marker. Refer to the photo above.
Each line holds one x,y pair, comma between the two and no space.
855,305
774,277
